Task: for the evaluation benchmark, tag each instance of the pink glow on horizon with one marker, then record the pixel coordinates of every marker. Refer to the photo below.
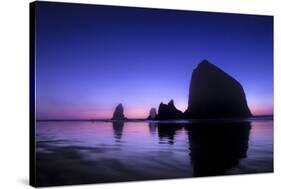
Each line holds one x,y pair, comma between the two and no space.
138,113
261,109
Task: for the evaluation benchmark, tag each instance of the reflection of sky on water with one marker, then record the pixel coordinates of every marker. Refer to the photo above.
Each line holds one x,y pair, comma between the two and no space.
149,150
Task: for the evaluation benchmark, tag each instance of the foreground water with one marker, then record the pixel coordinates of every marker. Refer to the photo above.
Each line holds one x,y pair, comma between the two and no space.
73,152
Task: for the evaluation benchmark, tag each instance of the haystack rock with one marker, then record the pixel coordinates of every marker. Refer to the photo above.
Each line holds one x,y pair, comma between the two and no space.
168,112
214,94
118,114
152,114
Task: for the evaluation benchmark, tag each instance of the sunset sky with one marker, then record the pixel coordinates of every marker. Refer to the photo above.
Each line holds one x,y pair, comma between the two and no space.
91,58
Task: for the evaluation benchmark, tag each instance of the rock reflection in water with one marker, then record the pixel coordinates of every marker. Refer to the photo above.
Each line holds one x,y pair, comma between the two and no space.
167,132
91,152
152,128
117,129
217,147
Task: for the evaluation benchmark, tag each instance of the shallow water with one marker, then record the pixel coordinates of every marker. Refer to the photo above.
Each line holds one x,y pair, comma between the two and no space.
77,152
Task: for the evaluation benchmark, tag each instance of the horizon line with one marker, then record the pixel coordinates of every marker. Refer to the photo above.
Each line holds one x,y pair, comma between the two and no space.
129,119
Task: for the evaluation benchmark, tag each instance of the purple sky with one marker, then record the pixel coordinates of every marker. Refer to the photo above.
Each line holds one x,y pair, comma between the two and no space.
91,58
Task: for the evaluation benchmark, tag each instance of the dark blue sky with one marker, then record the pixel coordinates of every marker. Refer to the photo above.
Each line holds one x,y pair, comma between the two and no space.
90,58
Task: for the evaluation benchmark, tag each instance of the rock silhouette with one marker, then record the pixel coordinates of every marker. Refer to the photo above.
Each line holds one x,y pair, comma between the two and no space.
213,94
152,114
118,114
168,112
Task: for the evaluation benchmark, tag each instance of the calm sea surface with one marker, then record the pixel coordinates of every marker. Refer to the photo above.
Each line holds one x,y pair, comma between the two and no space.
73,152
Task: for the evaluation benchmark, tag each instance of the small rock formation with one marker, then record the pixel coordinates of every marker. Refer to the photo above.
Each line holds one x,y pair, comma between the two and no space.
213,94
118,114
168,112
152,114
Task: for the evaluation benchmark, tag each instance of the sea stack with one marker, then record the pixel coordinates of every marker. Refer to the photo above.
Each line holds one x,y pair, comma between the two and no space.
168,112
118,114
152,114
215,94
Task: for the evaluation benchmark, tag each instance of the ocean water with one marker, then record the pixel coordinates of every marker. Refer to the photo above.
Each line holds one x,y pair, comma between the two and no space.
78,152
